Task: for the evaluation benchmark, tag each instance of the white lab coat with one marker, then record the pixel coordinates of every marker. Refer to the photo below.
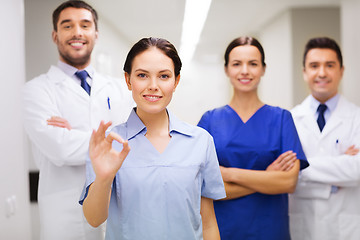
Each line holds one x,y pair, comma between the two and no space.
317,213
59,153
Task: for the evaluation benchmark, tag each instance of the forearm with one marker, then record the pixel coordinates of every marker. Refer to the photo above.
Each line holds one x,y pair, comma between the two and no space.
234,190
210,227
61,146
343,170
267,182
96,204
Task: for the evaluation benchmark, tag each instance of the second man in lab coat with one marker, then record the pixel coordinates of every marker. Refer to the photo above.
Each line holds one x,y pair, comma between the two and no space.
325,204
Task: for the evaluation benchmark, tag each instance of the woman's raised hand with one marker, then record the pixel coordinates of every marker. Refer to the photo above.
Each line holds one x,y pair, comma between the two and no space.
106,161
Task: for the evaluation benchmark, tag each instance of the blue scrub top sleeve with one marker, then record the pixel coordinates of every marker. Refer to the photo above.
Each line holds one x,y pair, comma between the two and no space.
205,121
290,139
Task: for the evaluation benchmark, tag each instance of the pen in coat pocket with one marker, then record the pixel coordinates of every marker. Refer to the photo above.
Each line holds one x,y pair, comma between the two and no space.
108,101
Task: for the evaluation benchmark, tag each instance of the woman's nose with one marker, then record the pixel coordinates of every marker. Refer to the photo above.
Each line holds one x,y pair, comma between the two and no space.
244,69
153,84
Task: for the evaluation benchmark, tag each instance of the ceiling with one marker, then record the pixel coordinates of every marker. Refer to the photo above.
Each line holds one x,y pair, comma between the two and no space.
227,19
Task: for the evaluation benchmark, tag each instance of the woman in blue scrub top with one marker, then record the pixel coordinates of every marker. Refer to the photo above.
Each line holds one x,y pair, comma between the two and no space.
259,152
159,183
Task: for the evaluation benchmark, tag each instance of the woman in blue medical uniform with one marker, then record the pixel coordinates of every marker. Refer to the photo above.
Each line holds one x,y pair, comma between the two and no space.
259,152
160,181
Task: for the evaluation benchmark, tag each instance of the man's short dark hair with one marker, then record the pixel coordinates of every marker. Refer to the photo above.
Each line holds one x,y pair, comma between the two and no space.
73,4
325,43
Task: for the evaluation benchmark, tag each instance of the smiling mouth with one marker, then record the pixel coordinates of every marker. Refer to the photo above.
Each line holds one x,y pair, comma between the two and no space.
152,98
322,81
244,80
77,43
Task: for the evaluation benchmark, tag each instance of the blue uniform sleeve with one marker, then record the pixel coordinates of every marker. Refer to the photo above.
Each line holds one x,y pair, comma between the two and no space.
205,121
290,139
90,178
212,182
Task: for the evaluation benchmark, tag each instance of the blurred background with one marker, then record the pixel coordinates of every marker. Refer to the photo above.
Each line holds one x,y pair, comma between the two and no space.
282,26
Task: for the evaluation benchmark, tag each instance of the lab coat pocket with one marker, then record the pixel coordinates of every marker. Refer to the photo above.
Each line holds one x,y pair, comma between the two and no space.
340,146
349,226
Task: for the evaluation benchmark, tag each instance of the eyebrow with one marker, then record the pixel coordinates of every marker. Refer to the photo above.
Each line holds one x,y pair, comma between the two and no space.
252,60
143,70
316,62
65,21
68,20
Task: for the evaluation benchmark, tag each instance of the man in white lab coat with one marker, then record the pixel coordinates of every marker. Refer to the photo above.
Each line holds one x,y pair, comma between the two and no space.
326,203
61,107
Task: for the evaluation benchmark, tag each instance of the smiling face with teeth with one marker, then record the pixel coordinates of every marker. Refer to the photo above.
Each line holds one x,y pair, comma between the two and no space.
75,36
245,68
152,81
323,73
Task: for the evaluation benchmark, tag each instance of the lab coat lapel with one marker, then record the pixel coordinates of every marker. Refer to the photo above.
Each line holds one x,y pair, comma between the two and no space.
337,117
60,78
307,118
98,84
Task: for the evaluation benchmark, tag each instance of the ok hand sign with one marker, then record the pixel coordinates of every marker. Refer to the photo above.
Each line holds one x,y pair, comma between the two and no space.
106,161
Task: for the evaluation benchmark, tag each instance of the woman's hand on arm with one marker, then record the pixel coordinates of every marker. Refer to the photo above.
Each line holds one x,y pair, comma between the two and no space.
267,182
280,176
209,223
285,162
106,161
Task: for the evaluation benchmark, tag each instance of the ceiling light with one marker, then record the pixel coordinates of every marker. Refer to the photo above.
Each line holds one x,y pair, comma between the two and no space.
195,15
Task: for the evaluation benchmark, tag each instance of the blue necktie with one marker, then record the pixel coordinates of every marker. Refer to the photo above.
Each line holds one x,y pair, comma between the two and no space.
321,119
82,75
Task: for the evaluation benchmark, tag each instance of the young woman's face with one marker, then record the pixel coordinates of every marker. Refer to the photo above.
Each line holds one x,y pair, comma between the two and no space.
152,81
244,68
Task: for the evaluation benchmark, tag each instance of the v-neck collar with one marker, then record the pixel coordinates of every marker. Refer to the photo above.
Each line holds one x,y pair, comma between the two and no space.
252,116
135,127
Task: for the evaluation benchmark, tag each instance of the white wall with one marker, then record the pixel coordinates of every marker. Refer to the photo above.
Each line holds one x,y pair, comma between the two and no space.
276,85
308,23
203,86
14,195
350,37
110,50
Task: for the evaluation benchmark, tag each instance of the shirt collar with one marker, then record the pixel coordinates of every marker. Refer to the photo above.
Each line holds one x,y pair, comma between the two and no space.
331,103
70,70
135,126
